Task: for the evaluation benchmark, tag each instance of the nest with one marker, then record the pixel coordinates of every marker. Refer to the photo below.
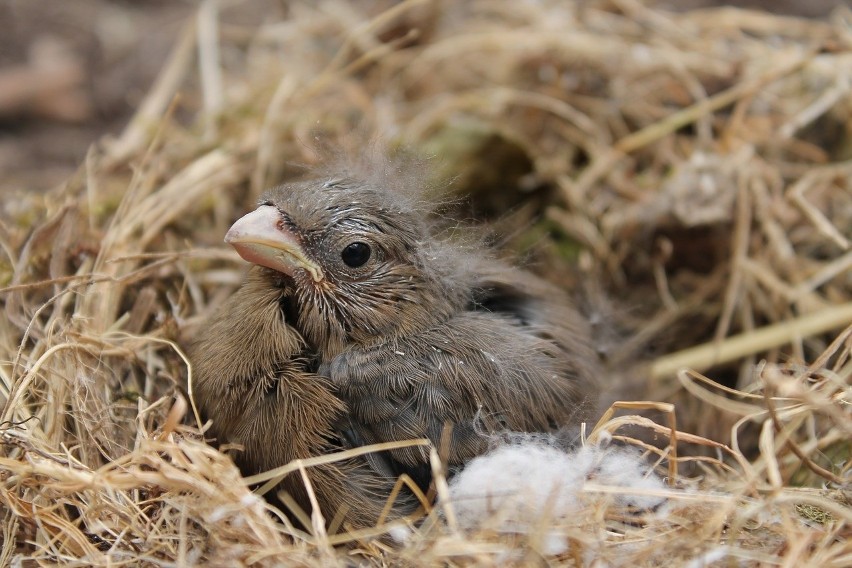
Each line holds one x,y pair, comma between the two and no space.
693,168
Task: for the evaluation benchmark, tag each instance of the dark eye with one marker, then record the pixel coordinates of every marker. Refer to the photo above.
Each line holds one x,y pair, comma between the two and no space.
356,254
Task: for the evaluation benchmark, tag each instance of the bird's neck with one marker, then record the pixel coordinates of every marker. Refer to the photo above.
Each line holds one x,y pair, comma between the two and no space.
329,333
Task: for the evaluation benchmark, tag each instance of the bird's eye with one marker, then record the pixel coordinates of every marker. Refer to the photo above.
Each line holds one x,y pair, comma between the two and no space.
356,254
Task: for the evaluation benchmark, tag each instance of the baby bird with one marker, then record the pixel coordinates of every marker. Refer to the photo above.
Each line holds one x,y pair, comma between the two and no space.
252,380
418,335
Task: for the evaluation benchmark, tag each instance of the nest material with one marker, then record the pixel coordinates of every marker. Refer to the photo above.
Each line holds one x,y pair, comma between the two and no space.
694,165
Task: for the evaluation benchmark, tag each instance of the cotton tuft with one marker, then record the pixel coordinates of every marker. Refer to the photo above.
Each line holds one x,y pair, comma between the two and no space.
531,487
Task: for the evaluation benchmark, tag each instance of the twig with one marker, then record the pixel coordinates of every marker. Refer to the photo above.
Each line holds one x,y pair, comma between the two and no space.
715,353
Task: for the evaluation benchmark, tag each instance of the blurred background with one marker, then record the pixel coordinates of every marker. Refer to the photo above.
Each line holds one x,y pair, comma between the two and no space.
71,72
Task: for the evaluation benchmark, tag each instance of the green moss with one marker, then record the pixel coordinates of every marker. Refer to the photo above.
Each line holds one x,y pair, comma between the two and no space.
814,514
561,244
482,163
7,272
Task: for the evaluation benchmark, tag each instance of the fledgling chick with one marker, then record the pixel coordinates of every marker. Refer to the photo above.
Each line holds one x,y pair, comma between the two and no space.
415,332
252,380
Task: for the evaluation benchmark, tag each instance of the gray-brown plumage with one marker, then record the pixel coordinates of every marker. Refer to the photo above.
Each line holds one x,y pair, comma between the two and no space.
416,332
252,381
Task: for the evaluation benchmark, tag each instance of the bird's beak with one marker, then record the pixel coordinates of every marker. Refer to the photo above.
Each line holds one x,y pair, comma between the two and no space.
259,238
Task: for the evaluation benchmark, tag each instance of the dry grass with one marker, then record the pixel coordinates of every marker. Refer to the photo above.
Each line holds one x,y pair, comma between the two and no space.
697,166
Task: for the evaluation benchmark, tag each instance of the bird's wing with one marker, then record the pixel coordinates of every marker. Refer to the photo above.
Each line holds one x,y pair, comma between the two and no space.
252,380
477,374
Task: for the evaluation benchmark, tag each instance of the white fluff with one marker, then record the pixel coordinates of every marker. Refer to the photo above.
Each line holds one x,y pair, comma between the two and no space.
531,486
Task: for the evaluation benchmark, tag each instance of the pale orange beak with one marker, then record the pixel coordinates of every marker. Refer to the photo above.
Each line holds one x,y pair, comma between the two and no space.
259,238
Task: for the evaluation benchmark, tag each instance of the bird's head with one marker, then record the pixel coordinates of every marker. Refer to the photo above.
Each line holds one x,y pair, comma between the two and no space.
361,259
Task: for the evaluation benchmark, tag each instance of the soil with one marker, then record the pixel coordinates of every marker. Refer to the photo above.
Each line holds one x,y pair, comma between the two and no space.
72,72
